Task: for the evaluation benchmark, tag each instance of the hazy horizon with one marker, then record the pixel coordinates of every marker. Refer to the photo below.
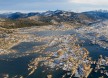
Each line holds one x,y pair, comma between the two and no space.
9,12
45,5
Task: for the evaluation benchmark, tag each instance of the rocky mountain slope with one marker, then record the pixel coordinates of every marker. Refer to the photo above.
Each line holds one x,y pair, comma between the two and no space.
53,17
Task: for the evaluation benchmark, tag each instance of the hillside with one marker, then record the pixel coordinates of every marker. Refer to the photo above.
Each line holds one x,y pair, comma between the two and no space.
17,20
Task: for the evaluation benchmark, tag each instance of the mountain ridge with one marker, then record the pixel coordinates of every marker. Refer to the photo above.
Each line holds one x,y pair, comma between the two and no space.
58,16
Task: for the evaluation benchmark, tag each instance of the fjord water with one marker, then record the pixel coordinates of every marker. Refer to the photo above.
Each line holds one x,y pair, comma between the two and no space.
18,66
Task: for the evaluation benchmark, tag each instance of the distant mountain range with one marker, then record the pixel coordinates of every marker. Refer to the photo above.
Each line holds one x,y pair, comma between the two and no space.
60,16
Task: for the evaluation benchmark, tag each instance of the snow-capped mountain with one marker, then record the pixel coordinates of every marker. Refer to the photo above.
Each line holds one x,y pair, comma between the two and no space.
61,16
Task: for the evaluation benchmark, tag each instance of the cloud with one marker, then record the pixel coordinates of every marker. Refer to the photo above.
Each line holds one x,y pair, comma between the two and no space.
44,5
91,2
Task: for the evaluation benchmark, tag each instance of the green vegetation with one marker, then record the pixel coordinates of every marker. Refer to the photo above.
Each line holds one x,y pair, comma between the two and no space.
19,23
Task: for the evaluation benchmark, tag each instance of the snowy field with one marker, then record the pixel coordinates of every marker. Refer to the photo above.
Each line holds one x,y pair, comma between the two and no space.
97,33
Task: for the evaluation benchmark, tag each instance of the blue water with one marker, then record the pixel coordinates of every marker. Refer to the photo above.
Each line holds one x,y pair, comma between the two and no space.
94,49
26,46
53,33
19,65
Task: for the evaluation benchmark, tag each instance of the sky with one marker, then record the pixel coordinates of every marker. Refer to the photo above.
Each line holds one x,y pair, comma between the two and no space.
44,5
